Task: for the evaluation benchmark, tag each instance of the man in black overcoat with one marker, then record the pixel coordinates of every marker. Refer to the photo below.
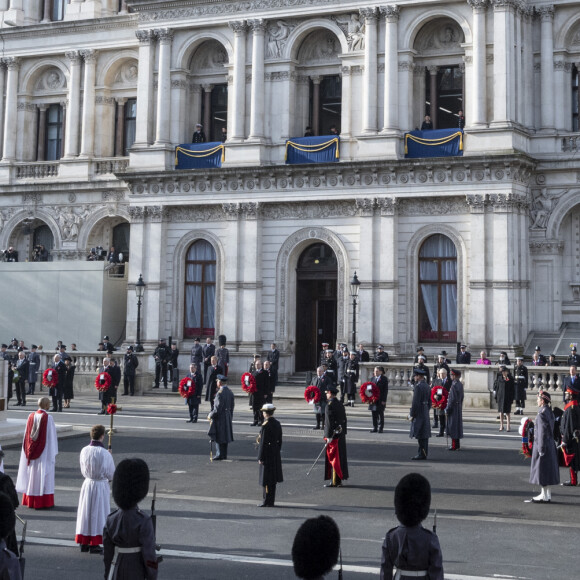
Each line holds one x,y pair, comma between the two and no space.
269,455
570,430
274,358
382,383
221,417
520,385
211,385
197,353
57,392
207,350
261,395
323,383
336,465
419,414
130,365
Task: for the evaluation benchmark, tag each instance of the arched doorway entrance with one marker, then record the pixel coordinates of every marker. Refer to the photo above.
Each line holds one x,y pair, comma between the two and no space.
316,289
438,290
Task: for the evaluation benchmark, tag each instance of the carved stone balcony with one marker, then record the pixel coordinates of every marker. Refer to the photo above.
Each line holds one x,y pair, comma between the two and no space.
37,170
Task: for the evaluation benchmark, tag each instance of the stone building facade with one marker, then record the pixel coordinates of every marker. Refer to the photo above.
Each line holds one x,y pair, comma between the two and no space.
482,248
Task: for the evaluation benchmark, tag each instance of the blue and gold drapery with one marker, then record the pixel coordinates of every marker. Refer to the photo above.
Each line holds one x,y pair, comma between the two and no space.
436,143
199,155
323,149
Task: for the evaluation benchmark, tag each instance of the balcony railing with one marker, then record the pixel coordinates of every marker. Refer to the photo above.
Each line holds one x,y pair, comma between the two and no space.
112,165
37,170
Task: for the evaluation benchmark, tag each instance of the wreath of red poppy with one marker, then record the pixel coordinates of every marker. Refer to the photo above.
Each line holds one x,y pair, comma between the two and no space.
111,409
104,386
527,437
184,391
53,382
249,383
441,403
312,394
374,395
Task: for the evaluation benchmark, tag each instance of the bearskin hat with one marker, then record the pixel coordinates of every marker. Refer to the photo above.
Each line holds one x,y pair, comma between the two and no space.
316,547
130,482
7,517
412,499
222,339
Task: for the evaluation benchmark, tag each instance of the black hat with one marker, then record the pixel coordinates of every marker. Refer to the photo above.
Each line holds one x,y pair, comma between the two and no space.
503,352
380,346
418,371
129,347
502,368
463,346
332,389
412,499
161,340
444,352
420,349
4,345
105,338
130,482
222,339
315,548
456,372
537,348
63,346
222,378
573,348
196,339
7,516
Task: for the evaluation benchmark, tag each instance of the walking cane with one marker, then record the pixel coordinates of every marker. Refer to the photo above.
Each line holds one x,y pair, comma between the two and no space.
319,456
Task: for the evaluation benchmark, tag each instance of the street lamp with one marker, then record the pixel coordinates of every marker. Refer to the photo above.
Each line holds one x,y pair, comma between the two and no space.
354,288
139,291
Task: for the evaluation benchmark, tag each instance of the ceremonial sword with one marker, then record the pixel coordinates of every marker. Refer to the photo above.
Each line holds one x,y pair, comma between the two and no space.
319,456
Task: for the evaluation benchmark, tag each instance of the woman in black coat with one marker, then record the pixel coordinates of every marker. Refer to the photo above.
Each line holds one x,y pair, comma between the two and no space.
504,395
68,384
544,467
269,457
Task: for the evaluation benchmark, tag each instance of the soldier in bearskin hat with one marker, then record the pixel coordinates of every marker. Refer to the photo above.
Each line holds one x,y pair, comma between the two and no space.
223,354
129,535
410,550
9,563
316,548
571,434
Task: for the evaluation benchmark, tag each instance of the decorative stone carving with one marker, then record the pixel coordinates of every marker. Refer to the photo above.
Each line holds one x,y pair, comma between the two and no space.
257,25
74,56
353,27
542,206
546,12
439,37
145,36
319,47
313,210
546,246
238,26
164,35
136,214
211,56
210,213
278,33
477,4
365,205
88,55
387,205
390,13
51,80
127,74
11,62
113,195
155,213
476,203
435,206
5,215
70,220
35,198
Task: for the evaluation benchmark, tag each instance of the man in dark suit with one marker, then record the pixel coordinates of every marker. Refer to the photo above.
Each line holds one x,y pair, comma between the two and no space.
33,369
382,383
22,366
261,395
274,358
57,392
571,382
195,388
463,357
208,350
323,383
363,355
211,385
130,368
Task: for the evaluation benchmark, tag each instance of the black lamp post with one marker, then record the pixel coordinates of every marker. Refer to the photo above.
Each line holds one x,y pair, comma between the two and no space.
354,287
139,291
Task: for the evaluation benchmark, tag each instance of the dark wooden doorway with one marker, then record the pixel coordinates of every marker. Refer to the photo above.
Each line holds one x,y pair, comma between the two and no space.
316,291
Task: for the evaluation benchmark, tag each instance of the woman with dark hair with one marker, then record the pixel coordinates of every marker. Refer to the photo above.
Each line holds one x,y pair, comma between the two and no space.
504,395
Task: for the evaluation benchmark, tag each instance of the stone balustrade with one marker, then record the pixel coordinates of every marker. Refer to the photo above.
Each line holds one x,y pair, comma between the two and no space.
112,165
37,170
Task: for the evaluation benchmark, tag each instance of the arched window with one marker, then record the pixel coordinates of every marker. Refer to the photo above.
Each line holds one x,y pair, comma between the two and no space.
200,290
438,290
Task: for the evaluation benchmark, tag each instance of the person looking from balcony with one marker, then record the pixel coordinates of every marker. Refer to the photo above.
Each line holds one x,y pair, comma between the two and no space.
198,136
427,124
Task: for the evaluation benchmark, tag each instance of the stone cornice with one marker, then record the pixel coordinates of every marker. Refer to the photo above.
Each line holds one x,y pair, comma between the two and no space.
403,176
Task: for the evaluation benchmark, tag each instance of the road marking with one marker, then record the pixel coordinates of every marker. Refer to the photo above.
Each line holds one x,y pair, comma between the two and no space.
261,561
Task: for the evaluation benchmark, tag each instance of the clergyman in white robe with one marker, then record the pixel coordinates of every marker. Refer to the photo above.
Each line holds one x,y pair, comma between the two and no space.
98,468
39,450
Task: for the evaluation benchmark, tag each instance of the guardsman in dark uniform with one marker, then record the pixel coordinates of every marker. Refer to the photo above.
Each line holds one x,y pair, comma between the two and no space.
33,369
198,136
410,550
161,356
335,429
419,414
223,354
331,367
420,352
520,385
269,458
379,412
540,360
570,430
274,359
261,395
173,365
381,356
351,375
342,363
421,359
57,392
463,357
196,353
322,356
270,389
130,364
208,350
573,359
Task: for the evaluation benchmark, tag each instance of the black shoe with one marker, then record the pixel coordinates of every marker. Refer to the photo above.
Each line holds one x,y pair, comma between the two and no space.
568,484
380,430
419,457
194,421
534,500
84,547
155,386
164,386
329,485
253,424
17,404
190,421
373,431
316,428
265,505
103,412
95,550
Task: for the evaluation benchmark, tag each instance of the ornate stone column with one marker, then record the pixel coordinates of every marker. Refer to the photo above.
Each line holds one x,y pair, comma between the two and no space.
346,111
165,36
478,91
71,138
433,109
257,95
502,62
41,140
547,63
561,104
2,87
136,265
88,135
207,109
316,105
369,111
120,134
47,12
9,141
528,69
406,93
391,97
144,87
239,80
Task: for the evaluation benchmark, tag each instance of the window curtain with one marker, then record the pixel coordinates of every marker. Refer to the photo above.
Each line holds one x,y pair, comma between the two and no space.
449,297
200,278
438,246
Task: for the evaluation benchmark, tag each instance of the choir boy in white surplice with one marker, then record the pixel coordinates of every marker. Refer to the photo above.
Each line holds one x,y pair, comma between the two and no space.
98,468
39,450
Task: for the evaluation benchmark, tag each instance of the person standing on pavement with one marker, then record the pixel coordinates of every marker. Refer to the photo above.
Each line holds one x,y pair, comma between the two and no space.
520,385
544,466
161,356
22,367
173,366
69,387
261,395
323,384
454,410
274,358
269,458
131,363
378,413
419,414
335,429
351,375
33,368
106,396
211,385
571,434
197,353
409,550
57,392
221,416
98,468
504,395
208,350
223,354
192,392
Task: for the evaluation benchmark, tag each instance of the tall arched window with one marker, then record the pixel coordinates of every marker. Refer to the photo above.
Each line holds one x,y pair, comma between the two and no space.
200,289
438,290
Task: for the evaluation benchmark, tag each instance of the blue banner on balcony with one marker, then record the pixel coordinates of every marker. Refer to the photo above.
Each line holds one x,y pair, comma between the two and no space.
436,143
199,155
324,149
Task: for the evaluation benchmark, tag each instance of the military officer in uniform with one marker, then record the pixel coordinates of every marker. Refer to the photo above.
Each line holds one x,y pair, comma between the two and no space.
381,356
463,357
130,365
322,355
331,367
196,353
335,429
208,350
33,369
378,413
274,359
261,395
521,384
269,458
419,414
223,354
161,356
573,359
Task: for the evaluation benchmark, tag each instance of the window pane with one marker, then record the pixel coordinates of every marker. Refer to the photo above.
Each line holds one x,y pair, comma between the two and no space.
449,270
210,270
209,307
438,246
201,250
428,270
194,272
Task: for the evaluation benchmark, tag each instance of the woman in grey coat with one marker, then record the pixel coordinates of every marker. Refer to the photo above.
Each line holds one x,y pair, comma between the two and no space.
454,410
544,468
